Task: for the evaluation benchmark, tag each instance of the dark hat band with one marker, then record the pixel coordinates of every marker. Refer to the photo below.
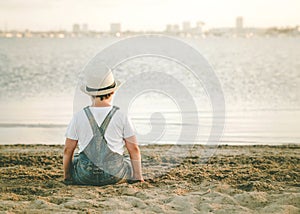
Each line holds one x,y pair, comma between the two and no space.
100,89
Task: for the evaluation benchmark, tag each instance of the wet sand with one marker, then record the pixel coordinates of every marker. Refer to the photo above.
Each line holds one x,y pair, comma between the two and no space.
235,179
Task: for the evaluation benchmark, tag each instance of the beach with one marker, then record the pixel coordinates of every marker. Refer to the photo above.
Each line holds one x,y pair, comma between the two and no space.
189,77
232,179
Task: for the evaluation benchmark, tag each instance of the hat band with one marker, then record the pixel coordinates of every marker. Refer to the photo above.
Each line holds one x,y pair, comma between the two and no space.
100,89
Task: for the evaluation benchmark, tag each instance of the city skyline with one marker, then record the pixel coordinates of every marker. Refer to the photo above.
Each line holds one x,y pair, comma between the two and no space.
140,15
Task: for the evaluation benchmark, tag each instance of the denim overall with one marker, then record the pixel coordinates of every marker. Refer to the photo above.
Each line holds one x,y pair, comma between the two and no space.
97,164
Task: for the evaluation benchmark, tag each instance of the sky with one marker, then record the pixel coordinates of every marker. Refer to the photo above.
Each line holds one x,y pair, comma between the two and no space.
144,14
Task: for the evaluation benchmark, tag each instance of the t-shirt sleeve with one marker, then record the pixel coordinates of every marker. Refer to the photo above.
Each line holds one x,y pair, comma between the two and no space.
71,132
128,129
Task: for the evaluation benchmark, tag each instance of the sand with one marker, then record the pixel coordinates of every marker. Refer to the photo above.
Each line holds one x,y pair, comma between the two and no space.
249,179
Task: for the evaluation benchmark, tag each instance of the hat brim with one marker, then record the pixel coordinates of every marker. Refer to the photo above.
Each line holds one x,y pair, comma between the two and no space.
102,92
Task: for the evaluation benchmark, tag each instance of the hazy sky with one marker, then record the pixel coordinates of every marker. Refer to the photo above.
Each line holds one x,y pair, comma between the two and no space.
145,14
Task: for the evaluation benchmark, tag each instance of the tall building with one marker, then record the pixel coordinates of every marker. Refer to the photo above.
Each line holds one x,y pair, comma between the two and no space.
172,28
199,25
239,23
115,28
169,28
85,28
176,28
76,28
186,27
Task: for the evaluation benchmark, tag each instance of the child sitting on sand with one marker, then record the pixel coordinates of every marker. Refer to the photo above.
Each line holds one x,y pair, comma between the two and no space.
100,131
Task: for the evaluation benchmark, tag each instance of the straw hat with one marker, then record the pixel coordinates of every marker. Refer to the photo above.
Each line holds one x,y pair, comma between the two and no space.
99,83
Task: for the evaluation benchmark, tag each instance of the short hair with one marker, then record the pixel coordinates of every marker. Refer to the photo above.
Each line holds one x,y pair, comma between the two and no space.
103,97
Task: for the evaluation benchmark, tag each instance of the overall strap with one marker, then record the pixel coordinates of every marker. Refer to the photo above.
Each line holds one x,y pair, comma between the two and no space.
107,119
104,124
91,119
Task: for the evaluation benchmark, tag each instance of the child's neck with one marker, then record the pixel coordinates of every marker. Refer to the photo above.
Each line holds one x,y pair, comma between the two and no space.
101,103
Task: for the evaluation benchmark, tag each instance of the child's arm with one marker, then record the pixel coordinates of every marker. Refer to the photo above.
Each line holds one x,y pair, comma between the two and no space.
135,156
70,146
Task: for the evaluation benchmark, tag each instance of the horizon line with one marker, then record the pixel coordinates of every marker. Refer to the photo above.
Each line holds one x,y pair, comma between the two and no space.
143,30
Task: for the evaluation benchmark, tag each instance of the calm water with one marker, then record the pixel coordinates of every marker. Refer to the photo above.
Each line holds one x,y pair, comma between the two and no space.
260,79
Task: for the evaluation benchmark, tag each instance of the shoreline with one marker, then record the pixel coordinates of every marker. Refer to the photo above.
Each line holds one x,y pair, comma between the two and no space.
235,179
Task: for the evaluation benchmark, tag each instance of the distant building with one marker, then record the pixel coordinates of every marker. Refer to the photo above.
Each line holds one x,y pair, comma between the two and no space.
169,28
172,28
186,27
176,28
198,29
85,28
76,28
239,23
115,28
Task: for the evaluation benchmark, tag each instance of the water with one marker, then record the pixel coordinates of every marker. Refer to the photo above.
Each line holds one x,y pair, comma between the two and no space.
260,79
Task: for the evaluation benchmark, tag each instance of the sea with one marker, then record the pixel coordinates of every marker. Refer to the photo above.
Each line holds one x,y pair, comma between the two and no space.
259,78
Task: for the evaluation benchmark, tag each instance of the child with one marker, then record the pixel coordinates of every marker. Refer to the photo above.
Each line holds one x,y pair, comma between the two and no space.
100,131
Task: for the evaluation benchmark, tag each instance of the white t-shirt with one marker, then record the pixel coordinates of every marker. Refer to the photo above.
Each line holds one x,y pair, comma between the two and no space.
120,127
